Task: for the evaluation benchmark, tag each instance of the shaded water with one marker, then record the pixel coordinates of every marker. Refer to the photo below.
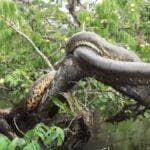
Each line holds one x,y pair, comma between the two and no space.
127,135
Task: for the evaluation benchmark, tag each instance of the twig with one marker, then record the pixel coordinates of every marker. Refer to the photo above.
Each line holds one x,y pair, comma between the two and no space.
135,110
12,26
71,7
5,88
74,118
15,123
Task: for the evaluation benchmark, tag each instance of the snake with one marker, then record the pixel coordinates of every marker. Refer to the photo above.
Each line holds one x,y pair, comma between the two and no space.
129,74
98,52
36,94
99,45
38,90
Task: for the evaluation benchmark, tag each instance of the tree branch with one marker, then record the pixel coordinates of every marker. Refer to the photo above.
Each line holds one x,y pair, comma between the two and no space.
11,25
71,7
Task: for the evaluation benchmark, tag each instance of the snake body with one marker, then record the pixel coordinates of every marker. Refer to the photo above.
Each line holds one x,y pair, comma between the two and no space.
104,58
100,45
139,89
36,93
38,90
101,48
109,58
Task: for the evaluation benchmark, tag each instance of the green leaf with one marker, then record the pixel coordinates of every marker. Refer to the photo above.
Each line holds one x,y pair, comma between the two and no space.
60,136
17,142
4,142
63,106
32,146
55,133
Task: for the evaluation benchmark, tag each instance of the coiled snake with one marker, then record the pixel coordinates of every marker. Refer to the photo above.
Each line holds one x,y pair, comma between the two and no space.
115,65
105,50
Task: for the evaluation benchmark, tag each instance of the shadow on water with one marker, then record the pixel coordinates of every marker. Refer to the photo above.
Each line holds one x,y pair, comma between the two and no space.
127,135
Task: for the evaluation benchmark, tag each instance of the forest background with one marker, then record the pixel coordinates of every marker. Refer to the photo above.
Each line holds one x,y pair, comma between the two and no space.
49,25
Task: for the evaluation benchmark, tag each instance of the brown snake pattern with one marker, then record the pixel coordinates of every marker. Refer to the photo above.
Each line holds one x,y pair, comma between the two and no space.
36,93
139,88
39,89
89,39
101,46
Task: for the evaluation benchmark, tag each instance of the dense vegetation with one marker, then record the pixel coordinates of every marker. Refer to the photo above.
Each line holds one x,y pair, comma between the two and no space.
48,25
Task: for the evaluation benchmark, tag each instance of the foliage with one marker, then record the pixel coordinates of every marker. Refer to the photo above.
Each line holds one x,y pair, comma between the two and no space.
40,135
20,65
49,28
63,108
125,22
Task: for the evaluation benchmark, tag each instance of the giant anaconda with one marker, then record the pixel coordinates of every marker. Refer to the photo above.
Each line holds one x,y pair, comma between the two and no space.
113,63
101,46
39,89
112,59
108,58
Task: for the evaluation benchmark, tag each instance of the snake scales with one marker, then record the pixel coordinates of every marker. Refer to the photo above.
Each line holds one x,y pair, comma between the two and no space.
133,75
81,45
102,48
36,93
